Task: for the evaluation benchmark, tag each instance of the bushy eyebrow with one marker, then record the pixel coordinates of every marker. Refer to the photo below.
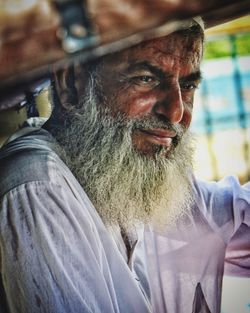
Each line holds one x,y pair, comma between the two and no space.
140,66
195,76
146,66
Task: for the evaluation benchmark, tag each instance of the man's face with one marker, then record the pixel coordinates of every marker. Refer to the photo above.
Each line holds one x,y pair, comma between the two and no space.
126,141
155,81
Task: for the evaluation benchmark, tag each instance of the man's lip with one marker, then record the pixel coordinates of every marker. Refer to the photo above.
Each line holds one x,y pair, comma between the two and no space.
159,132
159,136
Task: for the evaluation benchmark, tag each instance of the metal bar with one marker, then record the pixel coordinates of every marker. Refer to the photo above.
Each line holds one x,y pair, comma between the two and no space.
208,121
242,116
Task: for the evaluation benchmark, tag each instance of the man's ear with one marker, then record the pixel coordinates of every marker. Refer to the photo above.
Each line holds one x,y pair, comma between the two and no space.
82,76
70,84
65,87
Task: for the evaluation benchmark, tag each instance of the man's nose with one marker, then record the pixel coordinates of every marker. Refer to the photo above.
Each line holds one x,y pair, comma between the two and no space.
171,105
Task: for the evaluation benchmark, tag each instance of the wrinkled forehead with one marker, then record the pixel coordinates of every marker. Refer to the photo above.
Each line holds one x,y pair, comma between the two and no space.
175,44
178,45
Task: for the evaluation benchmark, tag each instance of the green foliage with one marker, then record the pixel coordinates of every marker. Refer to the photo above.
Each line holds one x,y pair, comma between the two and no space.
243,44
221,48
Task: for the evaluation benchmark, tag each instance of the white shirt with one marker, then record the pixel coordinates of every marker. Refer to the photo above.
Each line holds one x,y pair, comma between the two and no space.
56,255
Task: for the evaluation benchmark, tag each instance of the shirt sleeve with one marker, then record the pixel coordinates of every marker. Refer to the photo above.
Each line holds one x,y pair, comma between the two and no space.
237,260
226,207
51,256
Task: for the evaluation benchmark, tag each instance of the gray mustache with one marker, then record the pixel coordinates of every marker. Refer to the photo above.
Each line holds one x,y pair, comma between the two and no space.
154,122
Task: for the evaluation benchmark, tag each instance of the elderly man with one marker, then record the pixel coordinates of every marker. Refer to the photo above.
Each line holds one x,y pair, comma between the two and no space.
131,230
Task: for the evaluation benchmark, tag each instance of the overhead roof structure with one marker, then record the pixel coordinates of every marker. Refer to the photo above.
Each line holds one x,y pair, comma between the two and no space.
239,25
37,36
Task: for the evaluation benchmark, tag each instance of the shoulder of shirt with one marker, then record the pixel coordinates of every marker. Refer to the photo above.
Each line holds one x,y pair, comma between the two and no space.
29,158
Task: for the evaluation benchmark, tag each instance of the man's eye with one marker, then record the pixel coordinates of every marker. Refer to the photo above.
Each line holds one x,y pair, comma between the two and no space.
145,80
189,86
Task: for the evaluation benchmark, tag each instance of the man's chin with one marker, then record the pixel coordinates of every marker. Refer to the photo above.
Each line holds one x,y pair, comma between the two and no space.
151,151
152,146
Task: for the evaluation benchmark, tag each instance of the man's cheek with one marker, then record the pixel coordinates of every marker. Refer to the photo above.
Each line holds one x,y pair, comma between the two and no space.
187,116
138,106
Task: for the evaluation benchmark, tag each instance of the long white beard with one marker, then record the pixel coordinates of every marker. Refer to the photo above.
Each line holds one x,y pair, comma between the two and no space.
125,186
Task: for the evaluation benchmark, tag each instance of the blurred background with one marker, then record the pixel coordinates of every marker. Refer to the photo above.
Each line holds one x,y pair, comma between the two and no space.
221,117
221,122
